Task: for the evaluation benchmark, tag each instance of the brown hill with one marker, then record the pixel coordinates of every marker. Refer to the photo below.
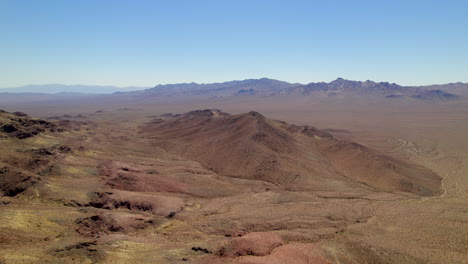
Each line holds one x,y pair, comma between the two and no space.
291,157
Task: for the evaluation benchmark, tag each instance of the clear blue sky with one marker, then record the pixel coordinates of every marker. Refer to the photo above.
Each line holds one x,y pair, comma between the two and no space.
144,43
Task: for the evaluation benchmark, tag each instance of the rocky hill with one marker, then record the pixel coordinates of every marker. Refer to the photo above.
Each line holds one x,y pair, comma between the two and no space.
295,157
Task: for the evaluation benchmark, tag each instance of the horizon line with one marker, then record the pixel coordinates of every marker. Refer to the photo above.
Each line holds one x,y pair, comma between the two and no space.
218,82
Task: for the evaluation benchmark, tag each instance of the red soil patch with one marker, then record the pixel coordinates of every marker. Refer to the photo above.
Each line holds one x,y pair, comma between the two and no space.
291,254
255,244
136,178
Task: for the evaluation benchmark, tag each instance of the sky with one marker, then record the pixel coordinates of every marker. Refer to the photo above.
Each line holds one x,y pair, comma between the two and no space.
144,43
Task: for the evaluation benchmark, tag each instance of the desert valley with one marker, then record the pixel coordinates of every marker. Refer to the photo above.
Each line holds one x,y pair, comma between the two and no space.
233,132
254,171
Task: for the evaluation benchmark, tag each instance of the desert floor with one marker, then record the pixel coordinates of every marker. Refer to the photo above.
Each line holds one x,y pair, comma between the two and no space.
46,224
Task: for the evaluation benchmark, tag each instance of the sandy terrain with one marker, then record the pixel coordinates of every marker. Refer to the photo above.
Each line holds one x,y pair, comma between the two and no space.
126,192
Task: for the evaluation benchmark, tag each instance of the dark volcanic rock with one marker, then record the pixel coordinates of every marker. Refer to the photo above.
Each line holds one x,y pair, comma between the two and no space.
20,114
20,126
8,128
14,181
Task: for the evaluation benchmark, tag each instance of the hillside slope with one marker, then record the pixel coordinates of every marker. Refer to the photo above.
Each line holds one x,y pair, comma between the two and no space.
293,157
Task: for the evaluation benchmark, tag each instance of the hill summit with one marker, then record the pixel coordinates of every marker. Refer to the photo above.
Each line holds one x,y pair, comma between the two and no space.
294,157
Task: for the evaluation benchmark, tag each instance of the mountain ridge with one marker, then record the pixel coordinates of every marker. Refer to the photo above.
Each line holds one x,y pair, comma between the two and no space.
265,87
385,89
221,88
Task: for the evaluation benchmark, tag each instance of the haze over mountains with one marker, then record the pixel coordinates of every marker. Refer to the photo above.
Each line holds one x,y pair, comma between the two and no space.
64,88
265,87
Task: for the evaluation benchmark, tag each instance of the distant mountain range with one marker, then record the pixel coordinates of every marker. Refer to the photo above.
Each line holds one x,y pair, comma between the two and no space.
265,87
63,88
338,87
344,87
244,87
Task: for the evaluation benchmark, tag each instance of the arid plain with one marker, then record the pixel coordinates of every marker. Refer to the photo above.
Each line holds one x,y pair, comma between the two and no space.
125,181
